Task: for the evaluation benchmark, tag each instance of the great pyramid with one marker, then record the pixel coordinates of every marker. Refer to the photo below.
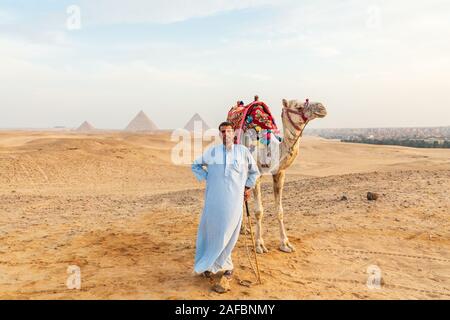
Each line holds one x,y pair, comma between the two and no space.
141,123
85,127
196,123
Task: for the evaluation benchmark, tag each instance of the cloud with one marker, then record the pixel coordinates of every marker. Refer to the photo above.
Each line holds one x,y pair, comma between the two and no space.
155,11
326,51
321,49
26,50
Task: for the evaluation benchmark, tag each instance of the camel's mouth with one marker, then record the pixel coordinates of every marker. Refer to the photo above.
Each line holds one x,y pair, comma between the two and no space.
320,114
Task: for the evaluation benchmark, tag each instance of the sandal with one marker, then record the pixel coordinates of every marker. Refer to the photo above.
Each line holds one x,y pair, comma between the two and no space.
228,274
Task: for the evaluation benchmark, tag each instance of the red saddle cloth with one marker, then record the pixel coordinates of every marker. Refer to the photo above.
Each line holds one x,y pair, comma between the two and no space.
256,116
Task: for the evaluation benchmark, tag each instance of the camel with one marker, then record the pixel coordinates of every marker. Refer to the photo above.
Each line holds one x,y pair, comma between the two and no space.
295,116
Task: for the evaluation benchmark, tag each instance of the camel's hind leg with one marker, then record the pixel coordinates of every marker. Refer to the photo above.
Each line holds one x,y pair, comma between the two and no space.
259,211
278,183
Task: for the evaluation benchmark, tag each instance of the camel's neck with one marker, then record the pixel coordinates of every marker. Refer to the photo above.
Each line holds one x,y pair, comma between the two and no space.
289,147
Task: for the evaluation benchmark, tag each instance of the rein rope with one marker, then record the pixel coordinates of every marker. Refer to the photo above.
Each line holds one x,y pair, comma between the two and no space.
296,127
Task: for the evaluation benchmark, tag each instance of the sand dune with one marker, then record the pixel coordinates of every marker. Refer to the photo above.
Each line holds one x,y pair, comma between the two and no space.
115,205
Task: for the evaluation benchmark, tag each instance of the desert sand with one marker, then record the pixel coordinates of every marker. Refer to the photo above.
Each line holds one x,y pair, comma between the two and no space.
115,205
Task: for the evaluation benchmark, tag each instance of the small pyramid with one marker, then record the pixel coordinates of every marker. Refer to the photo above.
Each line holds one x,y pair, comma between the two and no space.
86,126
141,123
196,123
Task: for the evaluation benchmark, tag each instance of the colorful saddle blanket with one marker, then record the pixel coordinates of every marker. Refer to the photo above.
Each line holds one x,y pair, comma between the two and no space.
255,116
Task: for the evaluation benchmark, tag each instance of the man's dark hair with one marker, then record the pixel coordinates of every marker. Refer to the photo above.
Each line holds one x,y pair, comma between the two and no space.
225,124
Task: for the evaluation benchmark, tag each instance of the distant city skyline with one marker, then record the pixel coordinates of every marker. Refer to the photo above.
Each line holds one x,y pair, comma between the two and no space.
373,64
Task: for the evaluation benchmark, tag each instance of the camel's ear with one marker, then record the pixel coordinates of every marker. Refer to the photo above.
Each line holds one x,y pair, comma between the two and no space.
285,103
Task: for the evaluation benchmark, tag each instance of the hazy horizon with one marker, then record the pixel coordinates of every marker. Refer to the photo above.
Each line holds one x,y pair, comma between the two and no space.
168,129
373,64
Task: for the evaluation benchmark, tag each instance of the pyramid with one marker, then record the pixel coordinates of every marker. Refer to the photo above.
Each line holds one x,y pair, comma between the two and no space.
86,126
141,123
190,126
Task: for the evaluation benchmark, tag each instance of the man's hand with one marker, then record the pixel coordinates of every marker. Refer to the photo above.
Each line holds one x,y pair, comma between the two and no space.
247,193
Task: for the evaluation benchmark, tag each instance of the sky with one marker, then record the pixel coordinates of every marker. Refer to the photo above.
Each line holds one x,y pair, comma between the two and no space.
372,63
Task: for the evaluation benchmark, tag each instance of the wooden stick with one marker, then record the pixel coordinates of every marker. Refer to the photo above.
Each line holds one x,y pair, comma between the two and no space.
253,241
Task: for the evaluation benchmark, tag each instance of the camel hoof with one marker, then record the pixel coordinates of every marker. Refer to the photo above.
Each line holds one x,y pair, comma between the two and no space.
261,249
288,248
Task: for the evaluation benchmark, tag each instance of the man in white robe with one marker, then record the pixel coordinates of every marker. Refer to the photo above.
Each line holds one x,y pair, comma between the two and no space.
230,173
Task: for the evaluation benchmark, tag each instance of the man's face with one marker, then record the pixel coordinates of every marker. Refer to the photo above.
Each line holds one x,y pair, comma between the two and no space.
227,134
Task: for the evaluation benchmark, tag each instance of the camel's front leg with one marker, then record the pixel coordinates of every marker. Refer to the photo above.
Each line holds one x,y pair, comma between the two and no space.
244,229
278,183
260,247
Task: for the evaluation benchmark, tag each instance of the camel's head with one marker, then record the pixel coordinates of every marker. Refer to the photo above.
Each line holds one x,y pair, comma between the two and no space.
296,113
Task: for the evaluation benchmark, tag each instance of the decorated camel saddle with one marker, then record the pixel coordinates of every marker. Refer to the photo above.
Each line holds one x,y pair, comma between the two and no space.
255,128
